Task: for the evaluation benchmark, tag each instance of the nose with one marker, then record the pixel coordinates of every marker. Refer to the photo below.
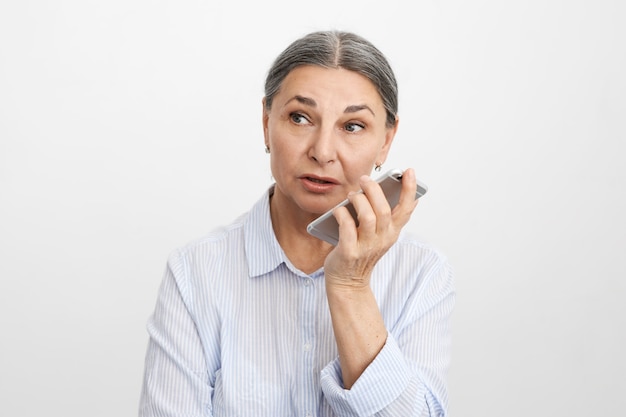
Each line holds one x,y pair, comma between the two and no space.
323,146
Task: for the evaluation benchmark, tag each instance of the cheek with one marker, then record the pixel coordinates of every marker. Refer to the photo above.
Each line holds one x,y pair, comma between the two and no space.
277,135
362,159
287,145
355,168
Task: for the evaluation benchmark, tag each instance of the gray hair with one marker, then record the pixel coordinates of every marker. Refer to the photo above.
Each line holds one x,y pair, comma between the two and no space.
335,49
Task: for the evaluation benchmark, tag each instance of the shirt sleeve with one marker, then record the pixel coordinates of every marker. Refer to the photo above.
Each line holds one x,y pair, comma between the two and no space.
175,379
408,376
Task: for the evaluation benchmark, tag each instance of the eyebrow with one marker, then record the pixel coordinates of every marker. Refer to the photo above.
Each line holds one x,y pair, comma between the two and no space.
350,109
356,108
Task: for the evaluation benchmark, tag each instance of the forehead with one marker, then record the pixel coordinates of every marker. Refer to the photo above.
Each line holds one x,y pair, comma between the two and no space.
330,85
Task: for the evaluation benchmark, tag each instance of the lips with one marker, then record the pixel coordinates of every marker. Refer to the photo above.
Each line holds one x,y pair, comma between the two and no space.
316,184
320,180
317,180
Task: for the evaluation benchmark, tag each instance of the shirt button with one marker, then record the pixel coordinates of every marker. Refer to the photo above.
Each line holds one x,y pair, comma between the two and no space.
307,347
307,282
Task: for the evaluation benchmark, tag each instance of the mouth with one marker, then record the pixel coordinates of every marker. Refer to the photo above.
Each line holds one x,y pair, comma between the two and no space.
319,180
318,185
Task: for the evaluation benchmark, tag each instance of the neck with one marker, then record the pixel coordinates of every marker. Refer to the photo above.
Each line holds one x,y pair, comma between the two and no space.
305,252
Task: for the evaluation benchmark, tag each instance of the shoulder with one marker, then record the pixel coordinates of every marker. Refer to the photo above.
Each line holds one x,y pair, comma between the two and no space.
213,246
410,248
415,263
209,265
412,276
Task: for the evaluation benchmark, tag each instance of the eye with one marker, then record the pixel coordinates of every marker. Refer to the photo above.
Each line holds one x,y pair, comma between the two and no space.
298,118
353,127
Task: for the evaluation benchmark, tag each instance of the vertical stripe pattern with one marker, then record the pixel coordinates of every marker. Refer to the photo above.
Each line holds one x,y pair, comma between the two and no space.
238,331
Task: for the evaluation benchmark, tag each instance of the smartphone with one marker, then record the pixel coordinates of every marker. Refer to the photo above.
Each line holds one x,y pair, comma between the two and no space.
326,227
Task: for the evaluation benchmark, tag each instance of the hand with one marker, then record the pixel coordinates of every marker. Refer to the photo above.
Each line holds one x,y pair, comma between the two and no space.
349,265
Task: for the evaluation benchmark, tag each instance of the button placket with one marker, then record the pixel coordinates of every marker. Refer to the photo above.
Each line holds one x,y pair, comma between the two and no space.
308,309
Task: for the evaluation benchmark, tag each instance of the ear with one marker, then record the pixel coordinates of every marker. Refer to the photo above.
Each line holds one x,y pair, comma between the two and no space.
390,134
266,117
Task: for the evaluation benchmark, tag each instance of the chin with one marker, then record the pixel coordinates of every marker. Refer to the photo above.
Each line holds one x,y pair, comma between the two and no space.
319,206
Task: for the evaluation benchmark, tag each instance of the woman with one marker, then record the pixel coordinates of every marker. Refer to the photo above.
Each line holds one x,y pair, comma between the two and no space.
263,319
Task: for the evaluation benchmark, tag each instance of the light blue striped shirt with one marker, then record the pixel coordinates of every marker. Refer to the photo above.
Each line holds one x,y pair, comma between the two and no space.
239,331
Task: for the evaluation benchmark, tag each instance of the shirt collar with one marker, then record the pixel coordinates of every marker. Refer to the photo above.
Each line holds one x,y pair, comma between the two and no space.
263,251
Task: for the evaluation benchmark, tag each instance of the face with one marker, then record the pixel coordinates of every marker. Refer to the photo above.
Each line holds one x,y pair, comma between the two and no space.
326,129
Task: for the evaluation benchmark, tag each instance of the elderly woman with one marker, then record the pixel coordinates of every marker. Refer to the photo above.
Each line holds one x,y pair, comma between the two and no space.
262,319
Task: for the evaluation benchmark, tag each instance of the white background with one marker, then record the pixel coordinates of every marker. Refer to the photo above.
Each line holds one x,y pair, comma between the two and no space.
128,128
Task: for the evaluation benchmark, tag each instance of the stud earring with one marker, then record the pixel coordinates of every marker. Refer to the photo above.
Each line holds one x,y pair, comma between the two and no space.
267,149
377,168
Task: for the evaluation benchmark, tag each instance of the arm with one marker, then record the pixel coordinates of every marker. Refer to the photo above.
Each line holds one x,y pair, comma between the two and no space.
357,323
175,379
408,376
375,373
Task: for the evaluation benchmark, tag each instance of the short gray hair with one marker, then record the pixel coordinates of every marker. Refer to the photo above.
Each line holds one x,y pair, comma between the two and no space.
336,49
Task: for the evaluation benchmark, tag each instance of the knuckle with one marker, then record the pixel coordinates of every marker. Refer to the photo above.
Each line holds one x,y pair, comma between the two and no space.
385,211
367,219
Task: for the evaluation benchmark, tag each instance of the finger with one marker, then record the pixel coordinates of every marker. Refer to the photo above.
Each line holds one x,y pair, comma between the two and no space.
367,220
377,201
347,226
407,202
